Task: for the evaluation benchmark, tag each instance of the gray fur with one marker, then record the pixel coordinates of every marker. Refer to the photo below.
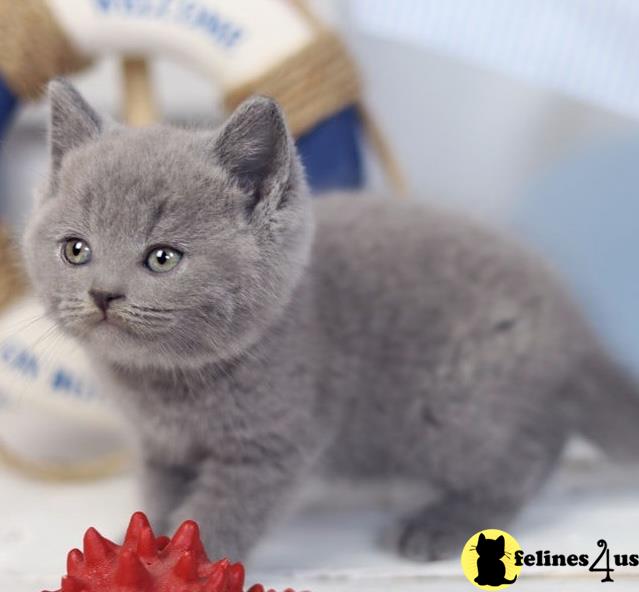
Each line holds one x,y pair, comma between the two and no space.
396,340
73,123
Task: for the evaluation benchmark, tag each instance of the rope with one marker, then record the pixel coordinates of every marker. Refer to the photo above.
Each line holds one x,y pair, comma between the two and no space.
33,48
315,83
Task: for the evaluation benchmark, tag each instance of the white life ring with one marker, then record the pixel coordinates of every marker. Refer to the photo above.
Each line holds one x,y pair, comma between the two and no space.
221,38
54,418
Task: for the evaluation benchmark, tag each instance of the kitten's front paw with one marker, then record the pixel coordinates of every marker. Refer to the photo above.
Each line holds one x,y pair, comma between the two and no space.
219,540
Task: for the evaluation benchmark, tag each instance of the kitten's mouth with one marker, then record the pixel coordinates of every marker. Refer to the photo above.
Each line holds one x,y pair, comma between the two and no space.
112,323
107,320
104,318
104,321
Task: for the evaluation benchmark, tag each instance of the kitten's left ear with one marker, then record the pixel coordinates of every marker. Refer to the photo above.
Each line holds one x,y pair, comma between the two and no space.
256,148
72,121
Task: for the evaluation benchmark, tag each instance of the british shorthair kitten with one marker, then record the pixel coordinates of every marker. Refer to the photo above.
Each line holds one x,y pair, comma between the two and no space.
253,335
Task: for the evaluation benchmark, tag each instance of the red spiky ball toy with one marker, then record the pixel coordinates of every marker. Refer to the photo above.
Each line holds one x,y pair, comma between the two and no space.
146,563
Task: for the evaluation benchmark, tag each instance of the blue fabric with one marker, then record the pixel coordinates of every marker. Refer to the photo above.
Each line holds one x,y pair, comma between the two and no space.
8,103
331,152
584,216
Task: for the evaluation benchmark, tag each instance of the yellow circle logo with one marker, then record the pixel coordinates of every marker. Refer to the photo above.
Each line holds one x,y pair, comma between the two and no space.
488,559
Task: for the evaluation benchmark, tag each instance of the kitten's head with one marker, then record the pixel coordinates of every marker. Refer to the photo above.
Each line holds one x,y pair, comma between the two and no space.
162,246
493,548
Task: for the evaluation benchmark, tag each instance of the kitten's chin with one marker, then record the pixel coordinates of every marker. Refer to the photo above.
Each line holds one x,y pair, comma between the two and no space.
141,354
110,330
112,342
108,342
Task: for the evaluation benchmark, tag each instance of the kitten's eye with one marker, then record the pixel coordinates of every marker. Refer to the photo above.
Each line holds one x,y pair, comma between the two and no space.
163,259
76,251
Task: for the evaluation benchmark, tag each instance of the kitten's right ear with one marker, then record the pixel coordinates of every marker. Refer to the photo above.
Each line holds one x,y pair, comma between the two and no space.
255,147
482,538
72,121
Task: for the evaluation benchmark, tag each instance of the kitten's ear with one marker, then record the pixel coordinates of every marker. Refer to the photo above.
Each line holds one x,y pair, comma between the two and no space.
501,541
72,121
256,148
482,538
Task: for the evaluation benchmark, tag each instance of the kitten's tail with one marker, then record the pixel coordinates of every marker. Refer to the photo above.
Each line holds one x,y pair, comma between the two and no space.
606,400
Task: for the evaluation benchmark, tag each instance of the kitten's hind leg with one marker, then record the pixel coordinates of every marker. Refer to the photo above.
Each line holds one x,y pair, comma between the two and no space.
477,499
440,530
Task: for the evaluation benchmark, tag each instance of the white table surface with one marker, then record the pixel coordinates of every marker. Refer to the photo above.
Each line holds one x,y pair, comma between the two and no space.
329,544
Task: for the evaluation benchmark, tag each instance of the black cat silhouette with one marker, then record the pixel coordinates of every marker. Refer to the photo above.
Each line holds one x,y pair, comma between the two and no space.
491,570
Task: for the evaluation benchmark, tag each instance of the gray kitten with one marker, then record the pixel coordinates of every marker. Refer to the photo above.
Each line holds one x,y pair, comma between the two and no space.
255,335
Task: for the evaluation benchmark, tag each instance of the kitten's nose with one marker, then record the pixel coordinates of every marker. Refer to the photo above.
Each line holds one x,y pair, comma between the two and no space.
103,299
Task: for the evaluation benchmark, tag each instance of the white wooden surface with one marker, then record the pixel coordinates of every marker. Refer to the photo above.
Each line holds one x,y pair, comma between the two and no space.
329,544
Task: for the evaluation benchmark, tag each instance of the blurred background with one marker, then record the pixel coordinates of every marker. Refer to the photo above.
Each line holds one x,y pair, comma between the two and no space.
524,114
